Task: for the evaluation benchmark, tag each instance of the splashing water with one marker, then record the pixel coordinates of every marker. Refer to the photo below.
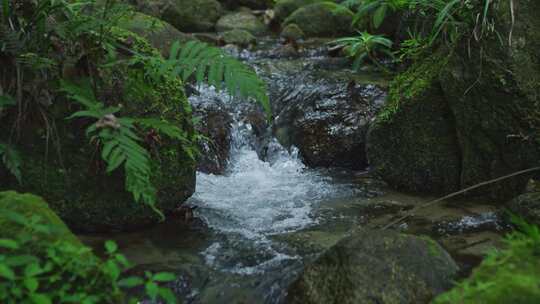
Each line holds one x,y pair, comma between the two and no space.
256,199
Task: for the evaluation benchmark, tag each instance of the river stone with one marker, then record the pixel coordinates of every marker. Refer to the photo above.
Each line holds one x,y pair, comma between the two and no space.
253,4
185,15
292,32
327,122
322,20
238,37
241,21
376,267
527,206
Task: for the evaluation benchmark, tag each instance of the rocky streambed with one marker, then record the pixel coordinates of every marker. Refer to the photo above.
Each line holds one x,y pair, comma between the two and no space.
274,198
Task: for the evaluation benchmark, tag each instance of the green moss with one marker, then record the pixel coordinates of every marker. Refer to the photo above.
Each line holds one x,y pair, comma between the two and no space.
324,19
28,206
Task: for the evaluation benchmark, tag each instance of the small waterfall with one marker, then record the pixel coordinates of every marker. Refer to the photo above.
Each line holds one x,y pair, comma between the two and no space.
256,198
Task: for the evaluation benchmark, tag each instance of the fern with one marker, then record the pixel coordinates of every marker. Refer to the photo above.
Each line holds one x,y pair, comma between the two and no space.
11,160
120,143
210,64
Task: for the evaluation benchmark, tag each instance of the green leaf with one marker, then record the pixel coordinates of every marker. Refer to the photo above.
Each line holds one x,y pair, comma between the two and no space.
6,100
12,160
32,269
111,247
164,277
9,244
131,282
31,284
6,272
152,290
40,299
379,15
167,295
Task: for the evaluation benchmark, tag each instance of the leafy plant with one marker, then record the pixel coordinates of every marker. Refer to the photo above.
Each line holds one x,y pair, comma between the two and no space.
209,64
509,275
11,160
64,271
364,47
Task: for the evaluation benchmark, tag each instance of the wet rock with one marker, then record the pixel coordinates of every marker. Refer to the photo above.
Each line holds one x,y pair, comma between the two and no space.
380,207
292,32
328,122
322,20
376,267
185,15
458,119
215,125
241,21
527,206
238,37
284,8
412,144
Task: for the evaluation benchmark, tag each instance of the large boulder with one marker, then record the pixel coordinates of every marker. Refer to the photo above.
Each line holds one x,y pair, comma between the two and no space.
239,37
376,267
73,178
323,19
488,118
185,15
412,144
241,21
328,122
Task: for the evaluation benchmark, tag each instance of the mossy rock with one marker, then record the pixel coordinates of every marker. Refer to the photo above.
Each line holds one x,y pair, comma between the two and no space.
292,32
494,94
253,4
241,21
238,37
160,34
28,206
185,15
412,144
376,267
322,20
284,8
74,181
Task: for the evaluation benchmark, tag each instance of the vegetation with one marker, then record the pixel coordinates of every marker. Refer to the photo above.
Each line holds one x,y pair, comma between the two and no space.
87,36
505,276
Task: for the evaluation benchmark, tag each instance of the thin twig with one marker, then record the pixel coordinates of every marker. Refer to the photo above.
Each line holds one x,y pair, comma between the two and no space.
458,193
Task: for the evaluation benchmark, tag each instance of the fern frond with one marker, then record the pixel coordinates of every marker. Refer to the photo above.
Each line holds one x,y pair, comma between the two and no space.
162,126
120,143
11,160
210,64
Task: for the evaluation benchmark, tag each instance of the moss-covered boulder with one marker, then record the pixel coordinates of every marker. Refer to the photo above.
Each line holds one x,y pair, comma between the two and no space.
160,34
284,8
494,94
323,19
487,119
292,32
376,267
527,206
65,166
239,37
242,20
185,15
27,206
412,144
